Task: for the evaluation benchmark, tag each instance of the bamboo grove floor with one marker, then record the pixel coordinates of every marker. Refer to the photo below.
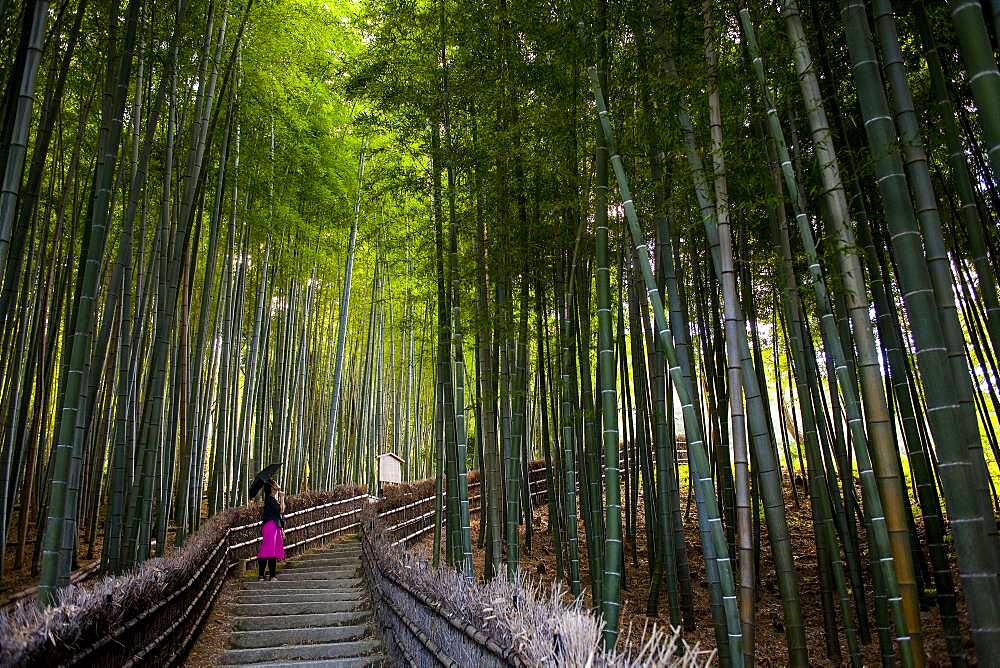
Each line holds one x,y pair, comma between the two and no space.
540,566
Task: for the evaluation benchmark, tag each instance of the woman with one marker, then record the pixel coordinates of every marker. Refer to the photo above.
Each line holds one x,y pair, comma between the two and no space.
272,547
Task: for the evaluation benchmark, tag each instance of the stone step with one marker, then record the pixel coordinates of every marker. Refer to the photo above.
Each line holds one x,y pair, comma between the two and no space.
333,552
336,650
329,588
353,662
346,568
300,595
300,636
341,546
325,560
304,583
296,608
353,544
323,574
298,621
345,540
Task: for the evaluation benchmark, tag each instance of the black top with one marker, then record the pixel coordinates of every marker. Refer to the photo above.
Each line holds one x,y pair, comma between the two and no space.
271,511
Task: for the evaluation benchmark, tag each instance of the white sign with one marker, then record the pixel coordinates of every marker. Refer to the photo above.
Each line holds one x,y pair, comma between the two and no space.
390,468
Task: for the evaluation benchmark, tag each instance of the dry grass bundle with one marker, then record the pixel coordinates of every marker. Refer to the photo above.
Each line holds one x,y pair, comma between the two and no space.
31,636
536,624
394,496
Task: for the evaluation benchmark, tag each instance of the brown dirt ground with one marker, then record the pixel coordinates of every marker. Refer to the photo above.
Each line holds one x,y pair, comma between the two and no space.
771,650
210,643
17,580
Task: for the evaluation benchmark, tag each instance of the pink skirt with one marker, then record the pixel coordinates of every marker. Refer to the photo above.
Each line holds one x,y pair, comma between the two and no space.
273,545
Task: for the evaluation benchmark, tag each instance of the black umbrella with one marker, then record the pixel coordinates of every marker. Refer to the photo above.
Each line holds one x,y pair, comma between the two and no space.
263,477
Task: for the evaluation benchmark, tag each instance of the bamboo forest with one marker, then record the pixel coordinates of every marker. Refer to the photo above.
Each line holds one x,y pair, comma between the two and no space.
668,313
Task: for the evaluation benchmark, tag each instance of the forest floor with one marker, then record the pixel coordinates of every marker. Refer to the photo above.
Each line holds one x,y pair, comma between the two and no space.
539,564
16,580
210,643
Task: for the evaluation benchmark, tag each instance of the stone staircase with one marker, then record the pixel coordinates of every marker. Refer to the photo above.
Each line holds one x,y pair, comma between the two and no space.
315,614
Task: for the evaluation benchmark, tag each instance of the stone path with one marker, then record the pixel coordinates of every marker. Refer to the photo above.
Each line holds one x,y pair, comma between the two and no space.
315,614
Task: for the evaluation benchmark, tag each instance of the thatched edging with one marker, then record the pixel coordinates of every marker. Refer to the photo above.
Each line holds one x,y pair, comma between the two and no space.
416,626
150,615
435,616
